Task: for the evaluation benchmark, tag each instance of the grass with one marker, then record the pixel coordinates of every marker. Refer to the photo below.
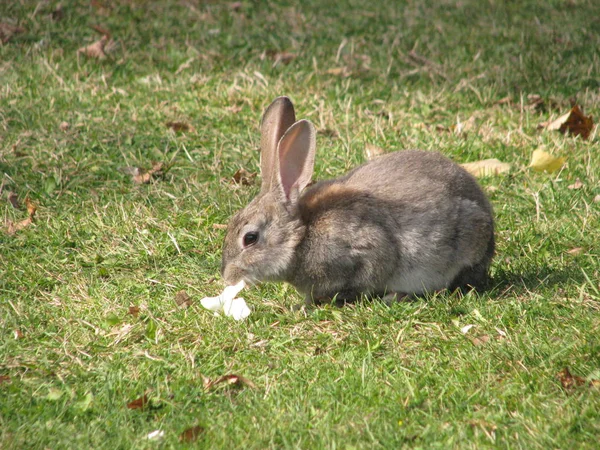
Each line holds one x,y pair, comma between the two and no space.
72,356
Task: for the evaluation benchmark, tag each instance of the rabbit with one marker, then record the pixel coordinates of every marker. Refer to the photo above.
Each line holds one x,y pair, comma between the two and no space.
407,223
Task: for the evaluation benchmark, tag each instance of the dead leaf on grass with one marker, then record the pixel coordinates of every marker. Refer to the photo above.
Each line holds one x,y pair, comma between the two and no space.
597,199
339,72
574,122
480,340
64,126
14,200
182,299
577,185
191,434
542,161
279,57
7,31
373,151
12,227
576,251
243,177
178,126
228,380
18,334
58,14
95,50
219,226
568,380
144,176
486,167
4,379
504,101
134,311
184,66
139,403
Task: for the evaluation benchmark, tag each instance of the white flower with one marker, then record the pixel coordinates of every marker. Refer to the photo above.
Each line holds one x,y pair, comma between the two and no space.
226,303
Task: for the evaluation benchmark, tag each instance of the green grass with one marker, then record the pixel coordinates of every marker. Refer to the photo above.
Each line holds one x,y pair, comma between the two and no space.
363,376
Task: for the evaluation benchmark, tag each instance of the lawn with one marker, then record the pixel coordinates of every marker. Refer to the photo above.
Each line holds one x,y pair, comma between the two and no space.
128,151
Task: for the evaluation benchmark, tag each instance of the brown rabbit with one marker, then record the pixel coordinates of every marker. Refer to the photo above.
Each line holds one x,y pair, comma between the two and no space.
408,222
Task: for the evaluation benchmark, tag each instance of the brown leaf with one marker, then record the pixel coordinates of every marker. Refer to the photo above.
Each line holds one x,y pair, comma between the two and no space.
569,380
191,434
338,72
574,122
14,200
95,50
58,14
577,185
219,226
12,227
504,101
7,31
18,334
4,379
100,30
180,126
480,340
139,403
243,177
182,299
229,380
134,311
576,251
64,126
373,151
280,57
143,176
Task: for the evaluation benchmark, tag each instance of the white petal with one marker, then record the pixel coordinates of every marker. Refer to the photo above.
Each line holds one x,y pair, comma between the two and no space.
212,303
236,308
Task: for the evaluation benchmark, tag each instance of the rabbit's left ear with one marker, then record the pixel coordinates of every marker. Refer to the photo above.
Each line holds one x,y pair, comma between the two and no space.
296,151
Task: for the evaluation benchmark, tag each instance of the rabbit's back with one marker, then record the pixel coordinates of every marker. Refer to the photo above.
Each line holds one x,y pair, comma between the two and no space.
409,221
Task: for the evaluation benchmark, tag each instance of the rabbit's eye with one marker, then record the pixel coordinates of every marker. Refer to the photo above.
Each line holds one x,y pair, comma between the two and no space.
250,238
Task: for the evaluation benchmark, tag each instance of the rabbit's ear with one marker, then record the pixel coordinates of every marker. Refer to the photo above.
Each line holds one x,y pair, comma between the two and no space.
278,117
296,158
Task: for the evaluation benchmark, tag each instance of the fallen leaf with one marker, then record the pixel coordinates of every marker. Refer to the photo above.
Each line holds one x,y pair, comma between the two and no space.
4,379
280,57
18,334
139,403
58,14
134,311
191,434
504,101
569,380
228,380
7,31
574,122
576,251
64,126
184,66
243,177
373,151
486,167
464,127
338,72
180,127
95,50
480,340
219,226
577,185
143,176
182,299
542,161
12,228
14,200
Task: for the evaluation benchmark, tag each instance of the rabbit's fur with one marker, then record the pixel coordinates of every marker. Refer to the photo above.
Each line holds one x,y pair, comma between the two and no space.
407,222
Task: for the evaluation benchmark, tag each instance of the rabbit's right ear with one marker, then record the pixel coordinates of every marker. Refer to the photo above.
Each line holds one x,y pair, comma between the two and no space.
276,120
296,159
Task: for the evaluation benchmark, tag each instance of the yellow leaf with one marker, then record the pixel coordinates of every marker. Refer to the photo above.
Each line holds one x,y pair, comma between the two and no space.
486,167
542,161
